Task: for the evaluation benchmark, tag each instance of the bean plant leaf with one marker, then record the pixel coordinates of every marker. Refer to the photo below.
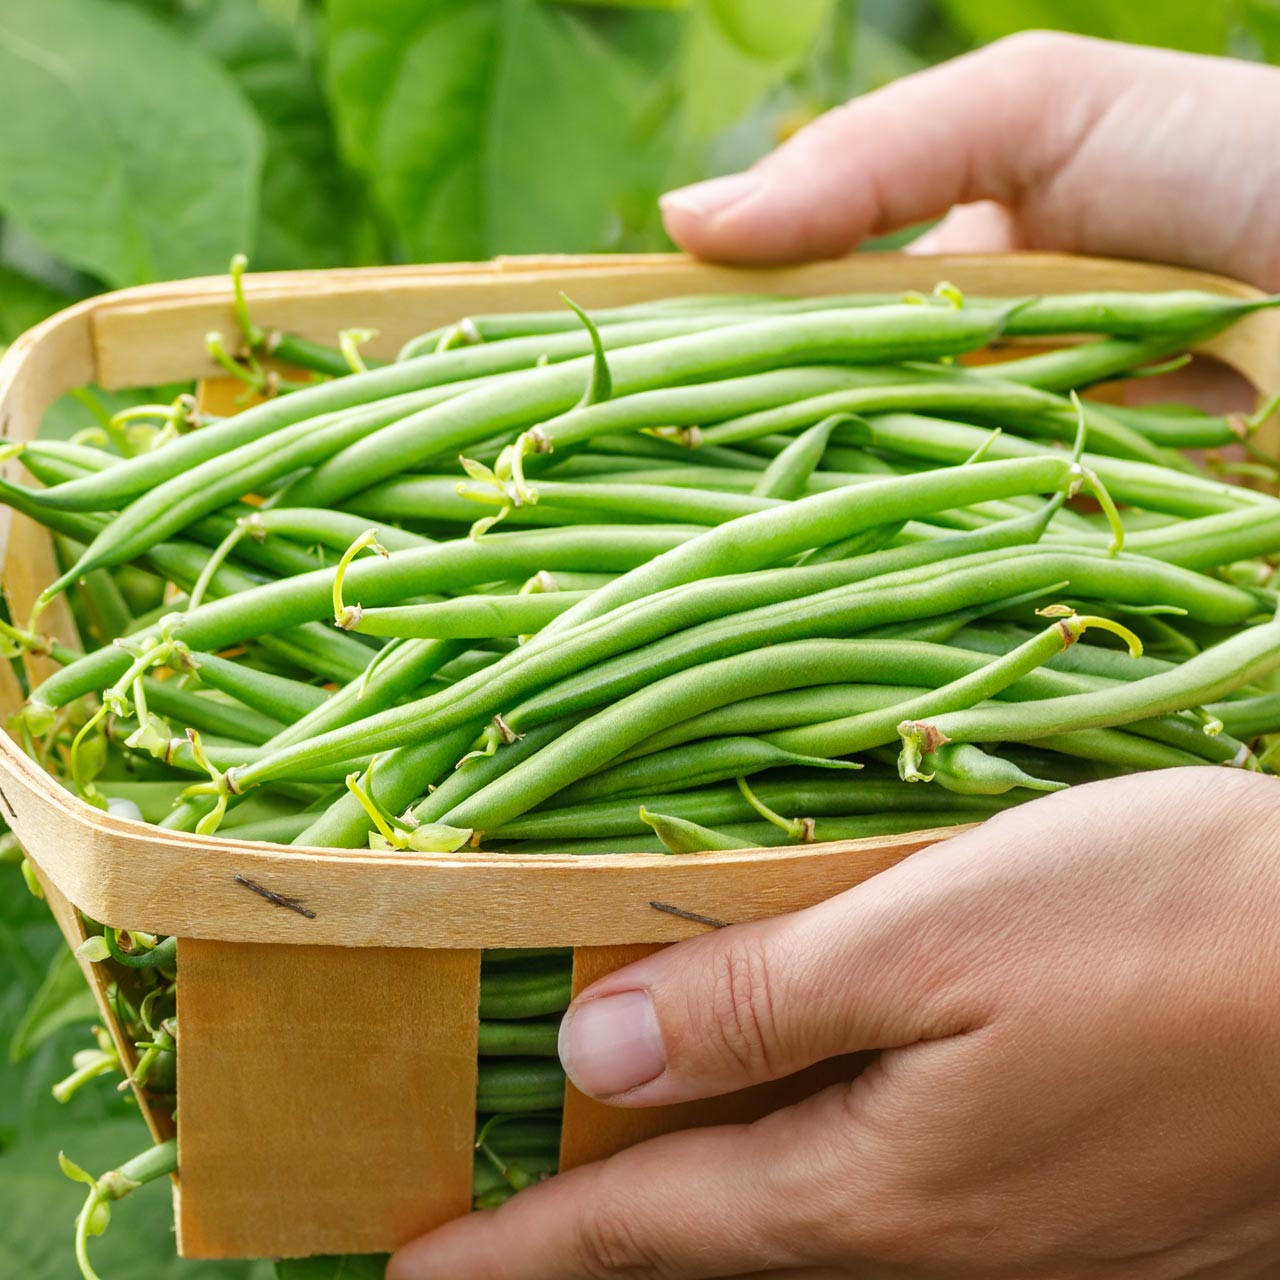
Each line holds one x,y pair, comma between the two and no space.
24,302
62,999
769,31
1262,19
311,208
157,152
483,126
1176,24
735,54
40,1206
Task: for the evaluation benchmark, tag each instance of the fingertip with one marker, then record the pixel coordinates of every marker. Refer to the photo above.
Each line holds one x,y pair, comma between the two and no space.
695,216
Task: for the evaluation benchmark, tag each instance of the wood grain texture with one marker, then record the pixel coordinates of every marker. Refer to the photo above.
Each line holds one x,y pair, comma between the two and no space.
145,877
328,1096
594,1131
159,1119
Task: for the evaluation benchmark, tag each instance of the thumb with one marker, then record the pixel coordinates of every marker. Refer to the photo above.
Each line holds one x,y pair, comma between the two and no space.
881,965
988,126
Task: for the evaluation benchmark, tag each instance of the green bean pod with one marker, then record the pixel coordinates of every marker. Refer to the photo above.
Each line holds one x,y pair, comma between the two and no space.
519,1086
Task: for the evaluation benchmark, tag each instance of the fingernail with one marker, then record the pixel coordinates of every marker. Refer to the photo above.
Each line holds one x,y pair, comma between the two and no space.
705,199
612,1044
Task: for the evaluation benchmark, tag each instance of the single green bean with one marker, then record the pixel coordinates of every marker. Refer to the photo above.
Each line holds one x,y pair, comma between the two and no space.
519,1086
506,1039
787,476
1242,659
276,696
519,992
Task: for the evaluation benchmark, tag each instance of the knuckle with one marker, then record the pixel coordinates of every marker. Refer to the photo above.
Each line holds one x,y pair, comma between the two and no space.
609,1246
742,1005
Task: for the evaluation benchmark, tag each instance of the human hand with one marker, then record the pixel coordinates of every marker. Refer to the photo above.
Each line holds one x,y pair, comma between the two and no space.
1079,1007
1040,141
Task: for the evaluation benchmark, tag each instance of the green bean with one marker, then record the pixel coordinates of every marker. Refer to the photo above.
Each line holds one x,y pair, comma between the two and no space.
346,824
1084,364
276,696
1010,405
520,1086
479,770
1180,426
284,828
964,770
1139,314
430,499
747,716
333,529
678,835
150,470
1248,717
841,795
873,728
276,607
531,667
209,715
853,337
1116,747
665,700
469,617
890,597
768,537
939,440
635,448
764,834
706,401
787,476
1084,658
172,506
1103,312
511,992
859,544
729,756
1241,659
1213,540
506,1039
67,463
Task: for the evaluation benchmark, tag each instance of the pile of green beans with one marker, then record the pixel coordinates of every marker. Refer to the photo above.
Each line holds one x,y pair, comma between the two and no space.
765,571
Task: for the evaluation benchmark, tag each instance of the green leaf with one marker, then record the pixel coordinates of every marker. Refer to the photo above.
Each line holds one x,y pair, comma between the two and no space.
63,998
1176,24
312,210
770,31
483,126
40,1206
1262,18
25,302
348,1267
736,54
157,153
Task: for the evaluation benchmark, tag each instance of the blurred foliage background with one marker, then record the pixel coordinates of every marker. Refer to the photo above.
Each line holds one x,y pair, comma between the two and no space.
147,139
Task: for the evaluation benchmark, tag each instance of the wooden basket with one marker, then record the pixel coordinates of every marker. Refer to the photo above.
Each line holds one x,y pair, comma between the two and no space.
327,1071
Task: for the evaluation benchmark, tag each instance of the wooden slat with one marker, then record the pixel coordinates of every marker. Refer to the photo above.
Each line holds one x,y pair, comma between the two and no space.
171,882
594,1131
328,1096
159,1120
